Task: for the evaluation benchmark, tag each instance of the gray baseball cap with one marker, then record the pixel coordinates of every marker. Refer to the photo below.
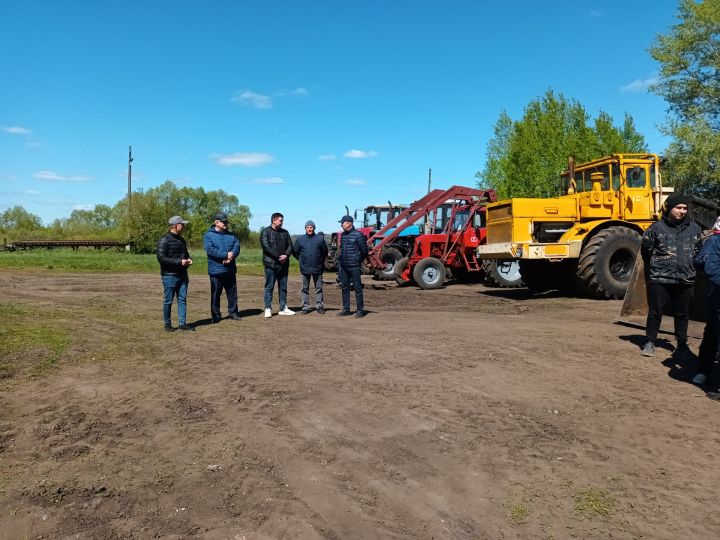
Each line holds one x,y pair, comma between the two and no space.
177,220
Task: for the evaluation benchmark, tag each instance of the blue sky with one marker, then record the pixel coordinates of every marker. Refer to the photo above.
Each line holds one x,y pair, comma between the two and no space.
300,107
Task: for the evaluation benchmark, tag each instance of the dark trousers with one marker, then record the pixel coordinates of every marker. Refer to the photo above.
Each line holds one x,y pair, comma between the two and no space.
709,346
279,276
305,291
351,276
217,284
676,295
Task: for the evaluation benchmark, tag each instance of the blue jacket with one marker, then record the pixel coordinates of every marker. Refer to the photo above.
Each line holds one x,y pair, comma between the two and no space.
310,251
353,248
708,260
217,244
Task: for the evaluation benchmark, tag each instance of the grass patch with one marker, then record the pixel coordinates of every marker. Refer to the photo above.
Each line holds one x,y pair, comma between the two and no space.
595,501
519,512
91,260
27,343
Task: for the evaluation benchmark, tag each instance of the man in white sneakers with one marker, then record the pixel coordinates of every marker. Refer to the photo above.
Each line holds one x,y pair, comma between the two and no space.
277,248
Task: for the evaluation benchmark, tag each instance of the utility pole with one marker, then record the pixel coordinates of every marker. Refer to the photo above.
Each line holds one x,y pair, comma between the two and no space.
429,179
130,160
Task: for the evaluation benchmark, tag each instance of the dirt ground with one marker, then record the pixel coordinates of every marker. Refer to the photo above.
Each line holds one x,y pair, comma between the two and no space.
463,412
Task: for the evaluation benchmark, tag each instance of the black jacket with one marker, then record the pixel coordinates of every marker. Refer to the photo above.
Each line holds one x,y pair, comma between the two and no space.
311,251
353,248
171,250
668,248
275,243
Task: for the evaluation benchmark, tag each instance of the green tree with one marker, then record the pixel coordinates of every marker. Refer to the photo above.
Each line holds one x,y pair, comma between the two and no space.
19,224
689,57
525,157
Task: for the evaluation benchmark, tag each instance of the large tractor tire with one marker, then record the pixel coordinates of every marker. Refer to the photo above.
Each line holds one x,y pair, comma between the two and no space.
400,267
606,262
429,273
504,274
390,256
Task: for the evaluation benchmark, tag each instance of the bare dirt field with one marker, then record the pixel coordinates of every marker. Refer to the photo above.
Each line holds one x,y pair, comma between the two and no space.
463,412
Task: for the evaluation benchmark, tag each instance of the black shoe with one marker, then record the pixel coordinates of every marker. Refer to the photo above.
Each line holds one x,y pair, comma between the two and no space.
321,310
344,313
360,313
186,328
215,320
715,396
305,311
235,317
169,328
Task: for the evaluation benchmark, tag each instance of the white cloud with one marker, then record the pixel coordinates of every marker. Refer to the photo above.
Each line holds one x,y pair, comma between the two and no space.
31,192
360,154
297,92
52,176
640,85
244,159
253,99
269,180
327,157
17,130
356,182
84,207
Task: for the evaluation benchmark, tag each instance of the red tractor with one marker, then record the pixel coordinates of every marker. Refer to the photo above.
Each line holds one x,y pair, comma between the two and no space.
453,226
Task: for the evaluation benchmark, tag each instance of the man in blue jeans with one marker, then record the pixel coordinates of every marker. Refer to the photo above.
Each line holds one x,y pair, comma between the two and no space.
353,251
222,249
277,248
174,259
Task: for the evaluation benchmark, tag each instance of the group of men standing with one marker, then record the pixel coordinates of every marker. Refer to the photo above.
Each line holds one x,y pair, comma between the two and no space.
223,248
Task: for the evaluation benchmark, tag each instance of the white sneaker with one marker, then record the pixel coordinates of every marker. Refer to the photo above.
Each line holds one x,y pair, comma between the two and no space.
268,312
286,311
700,378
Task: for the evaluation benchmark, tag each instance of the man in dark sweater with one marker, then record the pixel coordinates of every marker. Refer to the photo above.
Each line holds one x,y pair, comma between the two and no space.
277,248
353,251
174,260
668,248
311,250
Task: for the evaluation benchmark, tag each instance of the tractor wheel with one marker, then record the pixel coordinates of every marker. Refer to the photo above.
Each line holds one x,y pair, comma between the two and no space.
330,263
429,273
606,262
504,274
390,256
399,269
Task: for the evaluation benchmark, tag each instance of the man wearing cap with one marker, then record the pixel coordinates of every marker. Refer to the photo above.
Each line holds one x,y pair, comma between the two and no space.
352,253
668,248
174,259
277,248
310,250
222,249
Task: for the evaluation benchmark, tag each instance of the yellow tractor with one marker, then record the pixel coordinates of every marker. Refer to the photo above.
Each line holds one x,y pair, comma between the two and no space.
588,237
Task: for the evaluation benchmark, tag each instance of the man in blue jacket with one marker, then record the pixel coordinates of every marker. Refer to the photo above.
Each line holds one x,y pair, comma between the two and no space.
353,251
708,261
222,249
310,250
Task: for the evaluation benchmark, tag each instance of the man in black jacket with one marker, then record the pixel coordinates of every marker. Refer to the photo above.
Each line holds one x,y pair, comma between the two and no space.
174,260
277,248
668,248
311,250
353,251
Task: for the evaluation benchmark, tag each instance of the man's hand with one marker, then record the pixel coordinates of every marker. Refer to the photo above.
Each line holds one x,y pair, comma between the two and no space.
186,262
282,258
230,256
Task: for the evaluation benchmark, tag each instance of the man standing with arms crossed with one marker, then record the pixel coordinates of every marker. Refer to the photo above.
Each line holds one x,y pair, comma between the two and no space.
277,248
222,249
353,251
174,259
